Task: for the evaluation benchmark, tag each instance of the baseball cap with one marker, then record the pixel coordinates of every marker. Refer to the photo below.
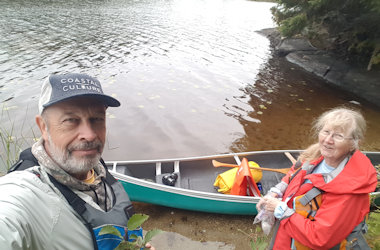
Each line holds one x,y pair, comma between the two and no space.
57,88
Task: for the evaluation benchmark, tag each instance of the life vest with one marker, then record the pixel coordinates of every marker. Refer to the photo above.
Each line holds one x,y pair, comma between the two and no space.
94,219
226,180
244,184
308,204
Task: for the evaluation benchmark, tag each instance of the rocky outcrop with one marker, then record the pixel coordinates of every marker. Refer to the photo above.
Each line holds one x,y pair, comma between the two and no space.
365,84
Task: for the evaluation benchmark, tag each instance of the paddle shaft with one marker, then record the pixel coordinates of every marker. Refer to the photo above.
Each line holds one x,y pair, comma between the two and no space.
221,164
290,157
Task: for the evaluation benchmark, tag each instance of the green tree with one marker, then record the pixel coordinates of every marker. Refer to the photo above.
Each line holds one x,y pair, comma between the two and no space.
351,28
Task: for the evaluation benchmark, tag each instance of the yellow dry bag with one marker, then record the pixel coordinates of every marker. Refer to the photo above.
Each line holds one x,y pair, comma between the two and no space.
225,180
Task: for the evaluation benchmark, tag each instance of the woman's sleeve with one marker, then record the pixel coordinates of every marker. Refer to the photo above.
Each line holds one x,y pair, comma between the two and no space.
280,187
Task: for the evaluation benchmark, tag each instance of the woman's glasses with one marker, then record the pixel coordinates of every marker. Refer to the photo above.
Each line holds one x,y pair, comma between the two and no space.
338,137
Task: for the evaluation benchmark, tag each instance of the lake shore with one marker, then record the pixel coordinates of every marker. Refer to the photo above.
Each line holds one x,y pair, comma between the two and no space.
337,72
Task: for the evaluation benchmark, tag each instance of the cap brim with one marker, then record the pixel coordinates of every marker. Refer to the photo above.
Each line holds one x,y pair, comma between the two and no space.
107,100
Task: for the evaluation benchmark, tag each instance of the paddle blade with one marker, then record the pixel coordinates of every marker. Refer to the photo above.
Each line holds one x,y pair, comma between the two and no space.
221,164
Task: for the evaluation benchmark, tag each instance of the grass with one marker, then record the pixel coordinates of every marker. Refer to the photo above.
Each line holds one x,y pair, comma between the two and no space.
7,141
12,142
257,239
373,235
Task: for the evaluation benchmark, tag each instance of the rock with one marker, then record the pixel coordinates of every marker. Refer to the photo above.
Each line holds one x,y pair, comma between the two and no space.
293,44
365,84
312,61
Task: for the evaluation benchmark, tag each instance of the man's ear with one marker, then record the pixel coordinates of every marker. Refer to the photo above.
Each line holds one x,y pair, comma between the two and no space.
43,127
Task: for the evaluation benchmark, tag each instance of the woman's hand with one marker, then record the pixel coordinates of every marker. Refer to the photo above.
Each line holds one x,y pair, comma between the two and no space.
270,203
261,204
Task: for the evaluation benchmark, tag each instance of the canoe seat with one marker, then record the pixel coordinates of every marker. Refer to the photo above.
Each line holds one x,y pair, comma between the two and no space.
177,183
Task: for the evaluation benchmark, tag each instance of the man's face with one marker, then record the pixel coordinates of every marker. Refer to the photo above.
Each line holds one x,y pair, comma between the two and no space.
74,133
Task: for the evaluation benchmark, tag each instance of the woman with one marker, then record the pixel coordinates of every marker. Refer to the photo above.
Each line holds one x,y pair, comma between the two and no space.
340,177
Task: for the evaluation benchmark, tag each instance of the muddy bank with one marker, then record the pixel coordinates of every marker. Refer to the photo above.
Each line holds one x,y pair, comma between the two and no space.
193,230
364,84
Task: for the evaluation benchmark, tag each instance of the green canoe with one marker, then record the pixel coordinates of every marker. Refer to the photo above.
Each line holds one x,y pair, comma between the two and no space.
193,189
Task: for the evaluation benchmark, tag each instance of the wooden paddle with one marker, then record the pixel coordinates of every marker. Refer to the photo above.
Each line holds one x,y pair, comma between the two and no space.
290,157
221,164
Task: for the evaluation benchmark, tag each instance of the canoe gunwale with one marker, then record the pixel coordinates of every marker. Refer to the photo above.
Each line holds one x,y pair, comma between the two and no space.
114,163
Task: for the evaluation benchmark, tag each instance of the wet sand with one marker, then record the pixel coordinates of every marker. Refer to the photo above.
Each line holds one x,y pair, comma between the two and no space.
195,230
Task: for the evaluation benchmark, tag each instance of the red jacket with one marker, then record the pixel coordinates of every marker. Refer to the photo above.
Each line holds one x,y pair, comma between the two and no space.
345,202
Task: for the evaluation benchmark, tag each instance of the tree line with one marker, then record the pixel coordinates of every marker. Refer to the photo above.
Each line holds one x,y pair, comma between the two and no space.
350,28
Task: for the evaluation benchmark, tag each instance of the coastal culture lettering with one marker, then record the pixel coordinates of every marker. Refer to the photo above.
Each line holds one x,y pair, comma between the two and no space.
69,84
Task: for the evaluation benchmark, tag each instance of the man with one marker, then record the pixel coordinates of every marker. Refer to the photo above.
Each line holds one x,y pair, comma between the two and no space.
65,199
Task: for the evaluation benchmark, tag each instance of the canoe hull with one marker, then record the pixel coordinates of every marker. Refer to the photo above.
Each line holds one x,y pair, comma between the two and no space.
189,200
194,189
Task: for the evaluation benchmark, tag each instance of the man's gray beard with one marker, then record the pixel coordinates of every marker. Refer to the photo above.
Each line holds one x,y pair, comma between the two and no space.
68,162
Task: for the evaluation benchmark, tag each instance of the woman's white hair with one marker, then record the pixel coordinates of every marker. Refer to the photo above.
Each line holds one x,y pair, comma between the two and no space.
342,118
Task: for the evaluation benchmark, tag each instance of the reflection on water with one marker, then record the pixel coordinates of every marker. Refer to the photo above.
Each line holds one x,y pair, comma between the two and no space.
194,77
285,101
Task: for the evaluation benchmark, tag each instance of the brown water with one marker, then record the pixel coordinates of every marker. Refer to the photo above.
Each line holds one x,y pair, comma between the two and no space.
194,78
